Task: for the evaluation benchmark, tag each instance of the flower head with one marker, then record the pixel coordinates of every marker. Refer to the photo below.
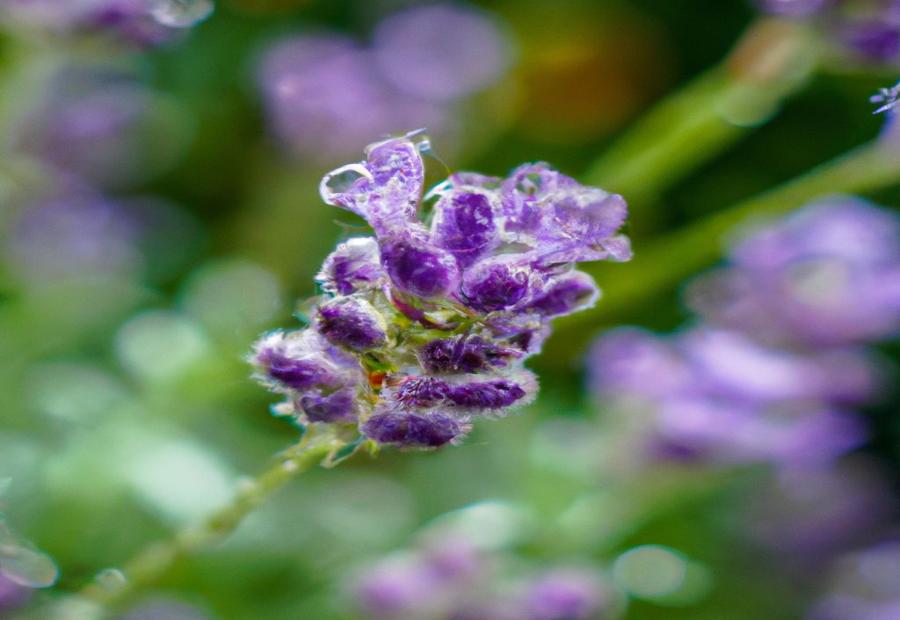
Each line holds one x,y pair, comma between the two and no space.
424,326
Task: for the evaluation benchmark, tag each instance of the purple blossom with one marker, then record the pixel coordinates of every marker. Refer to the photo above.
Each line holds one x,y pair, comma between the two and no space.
828,275
427,328
497,283
74,234
488,395
429,430
441,51
354,266
864,586
464,224
565,595
565,294
794,8
721,397
351,322
12,595
865,31
340,406
466,355
298,361
418,267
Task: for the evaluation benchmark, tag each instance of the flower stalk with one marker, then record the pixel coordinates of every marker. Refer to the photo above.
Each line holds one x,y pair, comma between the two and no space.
770,63
151,563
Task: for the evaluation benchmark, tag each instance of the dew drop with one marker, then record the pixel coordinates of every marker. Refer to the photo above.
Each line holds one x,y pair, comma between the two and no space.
111,579
180,13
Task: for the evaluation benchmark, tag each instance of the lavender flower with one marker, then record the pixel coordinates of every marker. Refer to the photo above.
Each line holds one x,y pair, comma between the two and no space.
864,586
449,575
867,31
721,397
441,51
569,594
425,326
828,275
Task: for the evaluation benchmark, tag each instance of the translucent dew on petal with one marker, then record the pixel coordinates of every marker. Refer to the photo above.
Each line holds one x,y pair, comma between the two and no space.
180,13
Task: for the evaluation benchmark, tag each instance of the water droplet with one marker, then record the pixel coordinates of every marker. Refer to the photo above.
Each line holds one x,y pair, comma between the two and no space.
27,567
111,579
180,13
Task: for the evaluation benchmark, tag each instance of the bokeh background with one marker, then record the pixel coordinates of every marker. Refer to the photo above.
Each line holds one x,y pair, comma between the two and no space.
159,209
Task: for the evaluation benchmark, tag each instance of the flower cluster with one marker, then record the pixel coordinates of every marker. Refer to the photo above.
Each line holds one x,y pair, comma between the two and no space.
867,29
775,369
326,94
142,22
452,577
426,325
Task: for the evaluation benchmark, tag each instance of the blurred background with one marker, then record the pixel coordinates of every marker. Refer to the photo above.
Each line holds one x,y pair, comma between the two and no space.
159,209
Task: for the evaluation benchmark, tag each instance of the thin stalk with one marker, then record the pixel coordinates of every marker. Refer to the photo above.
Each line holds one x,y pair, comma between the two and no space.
660,266
152,562
772,61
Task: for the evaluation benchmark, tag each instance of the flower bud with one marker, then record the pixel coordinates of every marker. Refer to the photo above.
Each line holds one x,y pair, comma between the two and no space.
496,283
352,323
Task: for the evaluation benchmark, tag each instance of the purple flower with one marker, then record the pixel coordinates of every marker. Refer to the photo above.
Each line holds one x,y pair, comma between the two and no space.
12,595
324,96
466,355
464,224
418,267
565,595
429,328
341,406
441,51
351,322
429,430
565,294
794,8
487,395
863,586
297,361
354,266
421,392
828,275
76,234
865,31
496,283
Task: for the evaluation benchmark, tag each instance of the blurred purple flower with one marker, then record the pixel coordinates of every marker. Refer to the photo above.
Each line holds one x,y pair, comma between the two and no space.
12,595
864,586
889,98
440,51
828,275
324,97
566,594
75,234
865,30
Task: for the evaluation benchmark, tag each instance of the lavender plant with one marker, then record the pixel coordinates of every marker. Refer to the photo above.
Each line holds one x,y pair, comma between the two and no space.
776,367
425,326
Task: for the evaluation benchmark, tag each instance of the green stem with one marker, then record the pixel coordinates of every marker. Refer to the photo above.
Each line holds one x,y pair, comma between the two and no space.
771,62
660,266
151,563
